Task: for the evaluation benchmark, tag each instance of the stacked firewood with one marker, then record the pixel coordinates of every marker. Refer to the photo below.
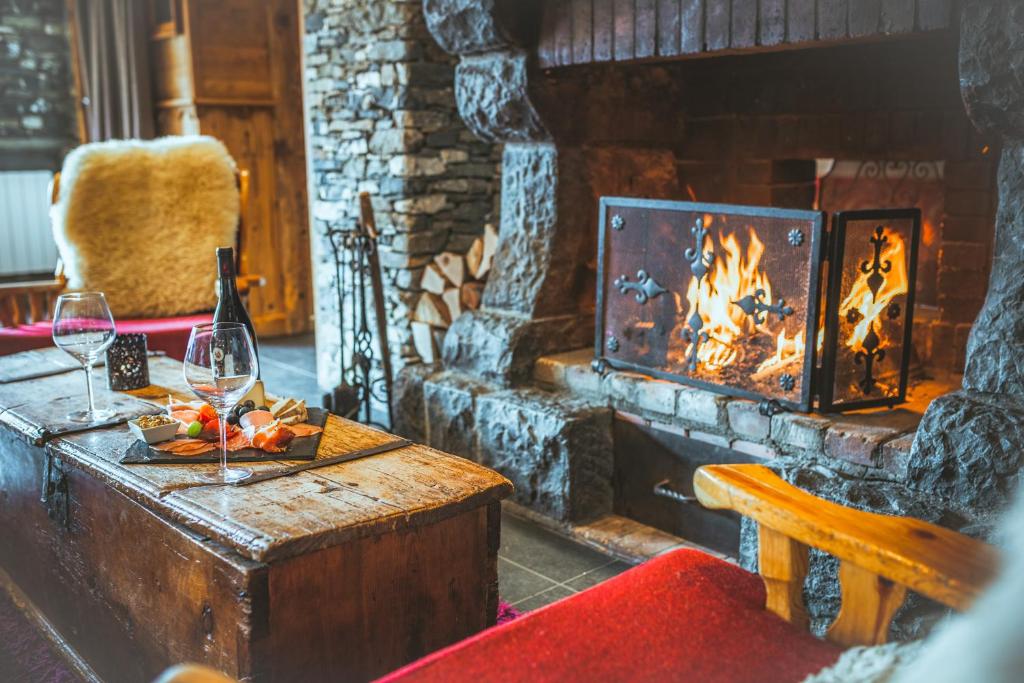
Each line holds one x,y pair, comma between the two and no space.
451,284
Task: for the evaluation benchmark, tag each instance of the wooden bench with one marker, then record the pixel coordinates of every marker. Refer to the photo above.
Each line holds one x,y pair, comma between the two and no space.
338,573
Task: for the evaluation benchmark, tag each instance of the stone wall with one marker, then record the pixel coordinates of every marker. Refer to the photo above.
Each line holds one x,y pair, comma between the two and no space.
36,99
383,119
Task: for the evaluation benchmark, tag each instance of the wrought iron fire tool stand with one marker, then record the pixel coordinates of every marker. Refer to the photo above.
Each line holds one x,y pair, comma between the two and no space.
364,377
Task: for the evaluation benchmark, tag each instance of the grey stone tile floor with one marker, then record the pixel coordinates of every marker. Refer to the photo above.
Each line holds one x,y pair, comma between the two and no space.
535,565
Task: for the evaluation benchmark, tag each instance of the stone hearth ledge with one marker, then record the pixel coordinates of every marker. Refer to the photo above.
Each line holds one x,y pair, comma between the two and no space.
873,444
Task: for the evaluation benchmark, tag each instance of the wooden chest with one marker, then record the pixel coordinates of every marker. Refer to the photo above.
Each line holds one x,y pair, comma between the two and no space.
340,573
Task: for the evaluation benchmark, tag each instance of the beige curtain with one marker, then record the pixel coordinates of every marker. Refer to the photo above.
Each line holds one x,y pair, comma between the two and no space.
113,50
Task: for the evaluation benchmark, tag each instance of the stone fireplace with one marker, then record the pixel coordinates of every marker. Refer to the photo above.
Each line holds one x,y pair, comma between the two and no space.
739,103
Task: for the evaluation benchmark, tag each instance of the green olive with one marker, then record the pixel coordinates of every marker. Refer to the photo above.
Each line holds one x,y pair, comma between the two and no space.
195,428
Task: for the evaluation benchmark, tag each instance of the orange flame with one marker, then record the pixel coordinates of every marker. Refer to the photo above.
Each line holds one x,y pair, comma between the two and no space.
872,306
735,273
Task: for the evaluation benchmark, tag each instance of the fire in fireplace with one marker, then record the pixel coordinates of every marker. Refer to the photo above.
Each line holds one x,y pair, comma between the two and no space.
728,298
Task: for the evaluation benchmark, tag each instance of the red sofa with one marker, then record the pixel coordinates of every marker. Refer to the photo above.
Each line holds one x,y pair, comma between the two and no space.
684,616
169,335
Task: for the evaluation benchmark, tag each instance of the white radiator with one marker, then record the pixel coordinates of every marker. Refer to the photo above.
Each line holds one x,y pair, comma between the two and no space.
26,242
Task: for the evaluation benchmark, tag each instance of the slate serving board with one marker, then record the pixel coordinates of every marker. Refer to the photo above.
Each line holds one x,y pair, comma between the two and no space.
301,448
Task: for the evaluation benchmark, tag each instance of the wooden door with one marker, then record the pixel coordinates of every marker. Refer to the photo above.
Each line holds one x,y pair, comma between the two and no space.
244,87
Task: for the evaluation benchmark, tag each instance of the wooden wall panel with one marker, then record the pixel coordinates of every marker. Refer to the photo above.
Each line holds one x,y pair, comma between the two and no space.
623,29
646,29
604,29
800,20
864,17
585,31
564,34
897,16
691,19
582,31
832,19
933,14
231,50
771,22
743,21
291,200
668,27
716,24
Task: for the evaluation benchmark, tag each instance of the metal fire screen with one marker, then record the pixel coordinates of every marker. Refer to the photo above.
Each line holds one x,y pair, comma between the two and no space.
728,298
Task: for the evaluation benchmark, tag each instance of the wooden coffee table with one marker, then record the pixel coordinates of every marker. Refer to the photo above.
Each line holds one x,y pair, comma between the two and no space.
339,573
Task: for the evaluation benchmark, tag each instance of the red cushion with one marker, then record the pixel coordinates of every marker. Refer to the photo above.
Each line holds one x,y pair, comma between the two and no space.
169,335
684,616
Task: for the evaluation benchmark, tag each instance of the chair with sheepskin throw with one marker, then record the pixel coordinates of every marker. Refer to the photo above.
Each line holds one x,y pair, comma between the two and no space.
139,221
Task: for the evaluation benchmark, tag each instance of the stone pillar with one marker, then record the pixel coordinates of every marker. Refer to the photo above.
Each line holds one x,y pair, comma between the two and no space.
531,304
970,446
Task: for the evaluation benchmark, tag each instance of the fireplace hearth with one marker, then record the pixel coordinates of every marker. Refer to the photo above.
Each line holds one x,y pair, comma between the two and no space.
727,298
688,109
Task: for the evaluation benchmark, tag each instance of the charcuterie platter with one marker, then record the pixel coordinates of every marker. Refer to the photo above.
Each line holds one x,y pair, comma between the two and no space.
189,432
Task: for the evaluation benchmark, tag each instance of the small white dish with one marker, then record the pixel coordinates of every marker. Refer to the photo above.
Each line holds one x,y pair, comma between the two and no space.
154,434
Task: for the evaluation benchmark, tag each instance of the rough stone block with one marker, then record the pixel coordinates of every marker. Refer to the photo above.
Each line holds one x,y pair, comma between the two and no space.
552,369
859,444
968,450
582,379
449,402
701,407
623,388
658,396
556,450
746,421
758,450
406,165
707,437
896,455
502,348
407,401
549,371
798,431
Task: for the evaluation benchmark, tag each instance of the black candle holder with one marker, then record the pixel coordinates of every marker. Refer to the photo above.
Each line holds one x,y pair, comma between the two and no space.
128,363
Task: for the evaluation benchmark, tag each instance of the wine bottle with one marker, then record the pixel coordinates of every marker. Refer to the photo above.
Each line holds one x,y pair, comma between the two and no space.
229,307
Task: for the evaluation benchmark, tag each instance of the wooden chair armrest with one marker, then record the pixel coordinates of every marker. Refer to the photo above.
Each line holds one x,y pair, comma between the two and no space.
941,564
28,301
32,287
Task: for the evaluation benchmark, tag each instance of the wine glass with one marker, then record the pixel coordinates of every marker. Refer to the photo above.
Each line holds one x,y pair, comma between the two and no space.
220,368
84,328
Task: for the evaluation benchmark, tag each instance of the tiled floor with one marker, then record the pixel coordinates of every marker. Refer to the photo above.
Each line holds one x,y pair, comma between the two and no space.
288,367
535,565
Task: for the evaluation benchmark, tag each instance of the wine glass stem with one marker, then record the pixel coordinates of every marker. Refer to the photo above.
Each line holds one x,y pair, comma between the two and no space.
222,420
88,386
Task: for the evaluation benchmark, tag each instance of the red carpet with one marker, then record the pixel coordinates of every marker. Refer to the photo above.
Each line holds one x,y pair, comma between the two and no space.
684,616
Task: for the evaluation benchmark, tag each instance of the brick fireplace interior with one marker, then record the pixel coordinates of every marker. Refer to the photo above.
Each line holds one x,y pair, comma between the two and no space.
872,125
863,112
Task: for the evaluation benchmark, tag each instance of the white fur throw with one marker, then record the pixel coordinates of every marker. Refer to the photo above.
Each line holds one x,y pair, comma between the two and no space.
141,220
986,643
868,664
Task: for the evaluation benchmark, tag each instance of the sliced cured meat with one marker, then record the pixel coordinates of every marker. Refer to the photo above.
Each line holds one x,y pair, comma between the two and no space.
186,415
274,438
185,446
303,429
254,419
238,442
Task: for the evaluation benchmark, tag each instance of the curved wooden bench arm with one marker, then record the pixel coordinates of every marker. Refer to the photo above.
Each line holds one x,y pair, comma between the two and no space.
880,555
